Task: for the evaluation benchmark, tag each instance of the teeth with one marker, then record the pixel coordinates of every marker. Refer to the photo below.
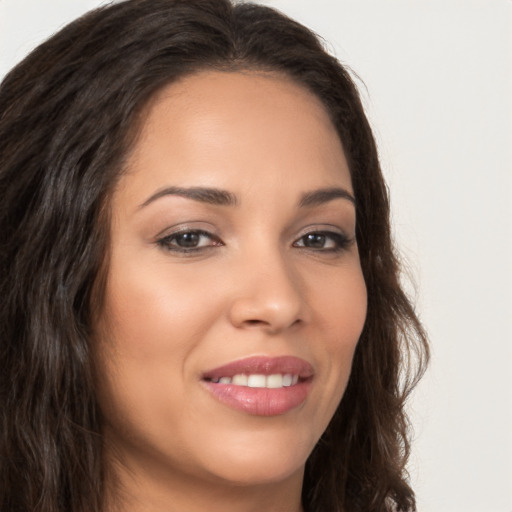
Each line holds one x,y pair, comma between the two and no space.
274,381
257,381
240,380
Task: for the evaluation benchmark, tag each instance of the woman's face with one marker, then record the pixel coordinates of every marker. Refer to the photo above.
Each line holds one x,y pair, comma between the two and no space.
234,297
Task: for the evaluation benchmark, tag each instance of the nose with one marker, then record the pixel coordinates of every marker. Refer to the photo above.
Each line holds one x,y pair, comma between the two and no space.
269,296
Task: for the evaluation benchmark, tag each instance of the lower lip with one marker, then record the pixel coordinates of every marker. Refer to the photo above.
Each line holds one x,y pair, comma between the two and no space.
261,401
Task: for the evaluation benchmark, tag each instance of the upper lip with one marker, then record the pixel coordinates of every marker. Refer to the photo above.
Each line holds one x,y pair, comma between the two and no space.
263,365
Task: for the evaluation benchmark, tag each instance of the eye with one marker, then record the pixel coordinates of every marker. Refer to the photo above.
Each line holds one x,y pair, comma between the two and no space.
327,241
190,240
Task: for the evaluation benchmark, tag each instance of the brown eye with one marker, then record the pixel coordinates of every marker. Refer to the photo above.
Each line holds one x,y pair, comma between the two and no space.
314,240
189,241
323,241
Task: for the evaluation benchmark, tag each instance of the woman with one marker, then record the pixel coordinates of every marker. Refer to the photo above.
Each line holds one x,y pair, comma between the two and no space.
201,307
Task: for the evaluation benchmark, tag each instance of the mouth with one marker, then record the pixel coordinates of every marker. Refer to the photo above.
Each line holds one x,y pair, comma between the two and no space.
255,380
261,386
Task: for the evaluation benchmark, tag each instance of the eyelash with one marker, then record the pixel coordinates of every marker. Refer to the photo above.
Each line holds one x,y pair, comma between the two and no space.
166,242
341,241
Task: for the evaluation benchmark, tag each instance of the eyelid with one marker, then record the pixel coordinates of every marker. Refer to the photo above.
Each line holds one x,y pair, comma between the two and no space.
186,226
334,233
164,240
337,234
315,228
325,229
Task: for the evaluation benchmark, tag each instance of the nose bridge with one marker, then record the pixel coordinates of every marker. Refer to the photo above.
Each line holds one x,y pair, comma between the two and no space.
269,291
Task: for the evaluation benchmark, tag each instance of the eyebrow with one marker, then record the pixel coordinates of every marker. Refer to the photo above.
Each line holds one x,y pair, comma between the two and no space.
324,195
213,196
220,197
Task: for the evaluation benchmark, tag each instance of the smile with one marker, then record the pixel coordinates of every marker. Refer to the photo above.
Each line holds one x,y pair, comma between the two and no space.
261,386
274,381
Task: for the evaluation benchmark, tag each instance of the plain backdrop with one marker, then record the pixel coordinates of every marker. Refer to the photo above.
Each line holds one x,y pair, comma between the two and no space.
437,84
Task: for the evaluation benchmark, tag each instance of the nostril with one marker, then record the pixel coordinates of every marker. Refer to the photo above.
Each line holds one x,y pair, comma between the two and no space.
254,322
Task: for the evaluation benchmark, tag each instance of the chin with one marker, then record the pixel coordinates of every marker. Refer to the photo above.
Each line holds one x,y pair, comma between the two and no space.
254,472
258,458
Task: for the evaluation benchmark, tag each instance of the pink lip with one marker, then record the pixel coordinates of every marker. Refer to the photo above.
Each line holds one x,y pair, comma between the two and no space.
261,401
263,366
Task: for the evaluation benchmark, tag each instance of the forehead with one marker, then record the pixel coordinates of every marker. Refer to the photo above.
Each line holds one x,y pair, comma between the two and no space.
226,128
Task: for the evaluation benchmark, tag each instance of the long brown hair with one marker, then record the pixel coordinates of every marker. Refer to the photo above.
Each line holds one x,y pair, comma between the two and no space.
68,116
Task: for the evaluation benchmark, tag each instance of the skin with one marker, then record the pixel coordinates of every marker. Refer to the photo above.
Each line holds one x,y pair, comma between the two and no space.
254,287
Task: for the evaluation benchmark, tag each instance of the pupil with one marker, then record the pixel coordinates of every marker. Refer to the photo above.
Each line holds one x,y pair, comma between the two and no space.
314,240
188,239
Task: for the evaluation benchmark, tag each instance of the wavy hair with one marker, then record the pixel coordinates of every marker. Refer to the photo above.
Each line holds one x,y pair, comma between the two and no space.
69,114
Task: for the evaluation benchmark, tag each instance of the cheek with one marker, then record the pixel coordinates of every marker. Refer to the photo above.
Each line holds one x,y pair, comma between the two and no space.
152,322
340,306
153,312
340,317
